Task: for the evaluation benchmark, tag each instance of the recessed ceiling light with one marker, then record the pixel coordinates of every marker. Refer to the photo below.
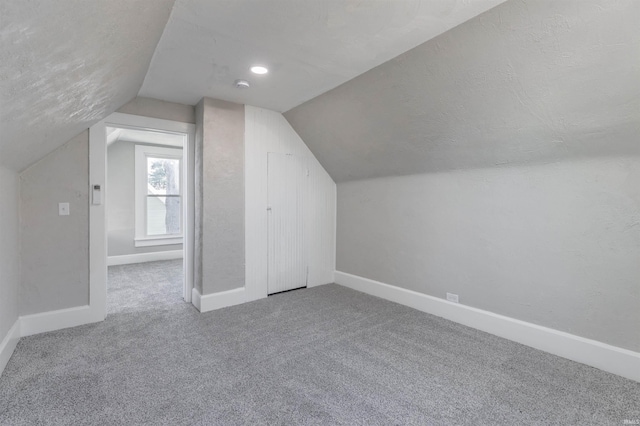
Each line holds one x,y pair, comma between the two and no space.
257,69
242,84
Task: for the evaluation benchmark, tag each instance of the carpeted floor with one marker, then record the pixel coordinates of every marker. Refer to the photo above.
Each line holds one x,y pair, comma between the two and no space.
327,355
144,286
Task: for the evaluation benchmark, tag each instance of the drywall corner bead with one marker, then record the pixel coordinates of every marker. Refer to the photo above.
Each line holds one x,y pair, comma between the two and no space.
220,207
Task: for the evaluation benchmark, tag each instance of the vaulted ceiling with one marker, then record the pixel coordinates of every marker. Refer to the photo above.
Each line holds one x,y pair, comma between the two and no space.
309,46
66,64
476,83
525,82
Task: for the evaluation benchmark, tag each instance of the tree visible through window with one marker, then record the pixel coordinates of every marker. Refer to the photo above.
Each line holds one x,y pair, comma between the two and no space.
163,196
158,196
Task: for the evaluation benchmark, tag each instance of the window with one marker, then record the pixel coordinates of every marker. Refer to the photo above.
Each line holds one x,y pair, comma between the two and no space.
158,196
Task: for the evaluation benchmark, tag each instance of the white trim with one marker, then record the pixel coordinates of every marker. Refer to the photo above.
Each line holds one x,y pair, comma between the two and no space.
223,299
140,122
195,298
600,355
268,131
97,220
136,136
157,241
142,152
188,214
8,344
127,259
57,320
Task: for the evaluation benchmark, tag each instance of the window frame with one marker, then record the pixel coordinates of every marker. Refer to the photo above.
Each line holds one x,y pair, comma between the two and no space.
142,152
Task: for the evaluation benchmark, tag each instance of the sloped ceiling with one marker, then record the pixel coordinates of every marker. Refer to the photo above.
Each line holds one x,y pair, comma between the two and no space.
66,64
527,81
310,46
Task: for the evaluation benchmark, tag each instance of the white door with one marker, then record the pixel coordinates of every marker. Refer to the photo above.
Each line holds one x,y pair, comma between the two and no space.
287,266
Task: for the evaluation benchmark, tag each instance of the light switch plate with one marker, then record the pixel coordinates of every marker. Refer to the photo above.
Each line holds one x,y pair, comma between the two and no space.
63,209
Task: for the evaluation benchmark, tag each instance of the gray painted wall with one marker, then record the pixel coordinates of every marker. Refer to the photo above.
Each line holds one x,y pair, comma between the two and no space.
512,131
9,250
55,249
160,109
525,82
54,259
556,245
121,215
219,246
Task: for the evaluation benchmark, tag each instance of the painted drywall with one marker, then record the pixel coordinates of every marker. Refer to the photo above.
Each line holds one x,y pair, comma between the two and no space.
54,259
310,46
268,131
55,249
219,255
121,215
67,65
155,108
9,250
525,82
557,245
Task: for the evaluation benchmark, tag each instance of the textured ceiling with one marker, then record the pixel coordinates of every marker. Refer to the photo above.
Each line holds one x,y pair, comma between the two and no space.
527,81
66,64
310,46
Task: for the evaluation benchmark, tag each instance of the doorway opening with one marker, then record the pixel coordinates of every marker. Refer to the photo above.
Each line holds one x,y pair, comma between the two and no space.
142,213
145,220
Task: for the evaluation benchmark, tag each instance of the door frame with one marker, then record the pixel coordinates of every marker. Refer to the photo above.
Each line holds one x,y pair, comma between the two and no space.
97,211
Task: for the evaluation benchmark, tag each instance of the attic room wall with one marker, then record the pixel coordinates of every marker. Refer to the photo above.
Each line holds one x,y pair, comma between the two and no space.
55,249
268,131
121,212
525,82
219,252
556,245
517,136
156,108
54,255
9,251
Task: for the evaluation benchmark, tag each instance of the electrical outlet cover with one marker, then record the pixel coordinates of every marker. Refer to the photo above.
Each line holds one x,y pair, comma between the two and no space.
452,297
63,209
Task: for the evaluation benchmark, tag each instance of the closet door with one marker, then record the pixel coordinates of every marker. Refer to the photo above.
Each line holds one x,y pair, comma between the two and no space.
287,266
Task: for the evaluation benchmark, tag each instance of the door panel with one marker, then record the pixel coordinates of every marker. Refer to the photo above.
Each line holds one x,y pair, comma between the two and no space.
287,266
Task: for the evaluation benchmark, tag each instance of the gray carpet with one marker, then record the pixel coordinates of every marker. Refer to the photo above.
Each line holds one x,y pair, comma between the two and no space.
326,355
144,286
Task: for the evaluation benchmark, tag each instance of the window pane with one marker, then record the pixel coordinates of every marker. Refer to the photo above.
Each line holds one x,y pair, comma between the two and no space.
163,215
164,176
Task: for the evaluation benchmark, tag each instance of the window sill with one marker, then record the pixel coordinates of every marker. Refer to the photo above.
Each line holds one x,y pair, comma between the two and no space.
157,241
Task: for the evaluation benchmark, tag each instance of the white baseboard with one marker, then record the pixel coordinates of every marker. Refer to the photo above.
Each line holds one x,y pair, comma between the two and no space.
127,259
325,278
223,299
600,355
318,285
8,344
57,320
